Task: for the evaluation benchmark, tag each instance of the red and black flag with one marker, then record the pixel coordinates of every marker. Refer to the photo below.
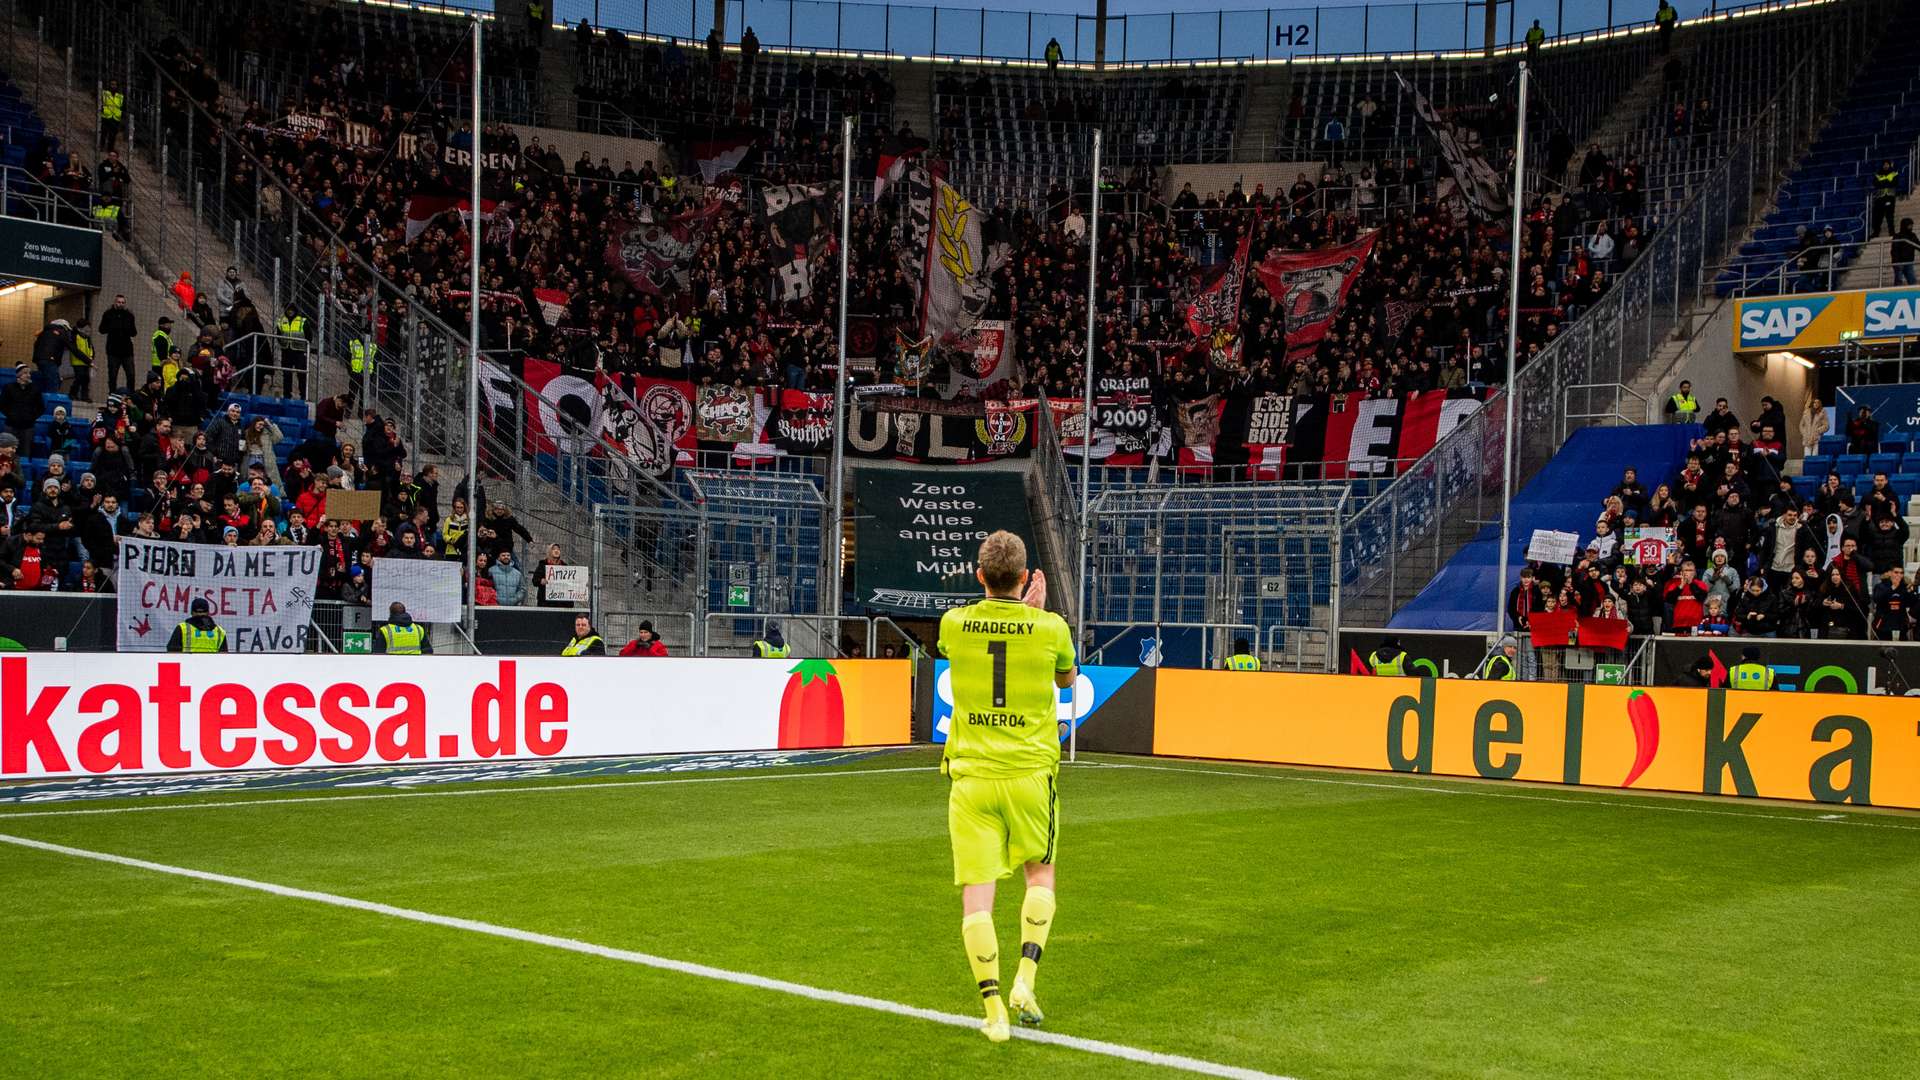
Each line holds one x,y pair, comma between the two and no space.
890,163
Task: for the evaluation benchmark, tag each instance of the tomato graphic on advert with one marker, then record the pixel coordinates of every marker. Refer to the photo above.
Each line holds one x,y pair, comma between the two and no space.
812,711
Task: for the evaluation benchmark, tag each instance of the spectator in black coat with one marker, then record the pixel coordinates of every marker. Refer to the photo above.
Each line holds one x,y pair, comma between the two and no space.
1893,606
498,528
1632,494
1771,413
21,403
1756,612
1721,420
185,402
99,529
1863,432
118,329
1885,541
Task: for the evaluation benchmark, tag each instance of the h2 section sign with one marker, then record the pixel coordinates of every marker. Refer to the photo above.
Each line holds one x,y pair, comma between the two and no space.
919,531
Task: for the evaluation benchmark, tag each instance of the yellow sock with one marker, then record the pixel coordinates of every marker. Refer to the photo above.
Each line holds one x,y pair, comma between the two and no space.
983,952
1036,918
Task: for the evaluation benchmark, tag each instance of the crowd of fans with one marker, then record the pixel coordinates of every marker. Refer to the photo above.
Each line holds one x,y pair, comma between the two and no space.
1750,556
1429,311
168,460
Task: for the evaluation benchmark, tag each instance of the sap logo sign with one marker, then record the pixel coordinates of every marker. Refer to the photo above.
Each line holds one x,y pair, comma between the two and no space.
1779,322
1893,313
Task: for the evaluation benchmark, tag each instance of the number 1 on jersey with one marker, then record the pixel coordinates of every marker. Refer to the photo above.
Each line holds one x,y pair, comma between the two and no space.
998,650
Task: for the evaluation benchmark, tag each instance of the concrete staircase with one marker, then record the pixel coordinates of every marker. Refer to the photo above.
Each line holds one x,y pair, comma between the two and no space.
1264,103
165,235
913,97
1622,122
1874,268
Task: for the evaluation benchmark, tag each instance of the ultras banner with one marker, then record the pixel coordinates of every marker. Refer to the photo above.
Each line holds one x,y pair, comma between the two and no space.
70,715
1812,747
1310,287
650,427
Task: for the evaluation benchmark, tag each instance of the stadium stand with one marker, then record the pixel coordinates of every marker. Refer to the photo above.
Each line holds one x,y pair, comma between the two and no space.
1425,316
1560,498
1829,187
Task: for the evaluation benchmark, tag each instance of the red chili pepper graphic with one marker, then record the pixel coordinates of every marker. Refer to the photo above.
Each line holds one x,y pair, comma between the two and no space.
1646,733
812,712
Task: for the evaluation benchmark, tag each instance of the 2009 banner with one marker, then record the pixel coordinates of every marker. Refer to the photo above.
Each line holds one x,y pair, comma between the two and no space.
69,715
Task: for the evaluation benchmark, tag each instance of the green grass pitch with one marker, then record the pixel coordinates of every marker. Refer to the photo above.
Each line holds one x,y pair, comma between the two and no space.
1310,925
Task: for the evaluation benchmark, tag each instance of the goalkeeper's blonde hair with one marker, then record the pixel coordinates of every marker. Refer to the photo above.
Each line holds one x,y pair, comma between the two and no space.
1003,558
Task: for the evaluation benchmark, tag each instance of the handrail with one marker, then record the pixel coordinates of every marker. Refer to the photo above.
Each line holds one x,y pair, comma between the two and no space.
1467,465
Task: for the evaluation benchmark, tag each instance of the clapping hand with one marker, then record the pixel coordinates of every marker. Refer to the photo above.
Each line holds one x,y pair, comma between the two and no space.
1036,596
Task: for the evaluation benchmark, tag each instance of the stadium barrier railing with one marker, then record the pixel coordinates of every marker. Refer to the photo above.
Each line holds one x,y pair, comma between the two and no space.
1439,504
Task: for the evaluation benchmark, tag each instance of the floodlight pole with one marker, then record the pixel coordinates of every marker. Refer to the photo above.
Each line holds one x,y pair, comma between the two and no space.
837,542
473,357
1086,437
1513,348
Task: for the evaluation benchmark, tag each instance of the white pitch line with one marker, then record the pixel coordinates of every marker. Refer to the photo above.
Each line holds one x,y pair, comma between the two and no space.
453,792
1625,800
682,967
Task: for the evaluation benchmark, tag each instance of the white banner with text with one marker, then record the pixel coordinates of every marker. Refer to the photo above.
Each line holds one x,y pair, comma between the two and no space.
261,596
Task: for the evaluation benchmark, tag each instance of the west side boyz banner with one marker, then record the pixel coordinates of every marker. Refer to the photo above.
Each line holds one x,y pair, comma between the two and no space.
262,596
1309,287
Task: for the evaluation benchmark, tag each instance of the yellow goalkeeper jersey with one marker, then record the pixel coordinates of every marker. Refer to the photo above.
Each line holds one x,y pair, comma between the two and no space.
1003,656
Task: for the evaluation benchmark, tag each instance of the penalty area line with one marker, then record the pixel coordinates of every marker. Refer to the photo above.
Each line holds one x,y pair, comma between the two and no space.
739,978
582,785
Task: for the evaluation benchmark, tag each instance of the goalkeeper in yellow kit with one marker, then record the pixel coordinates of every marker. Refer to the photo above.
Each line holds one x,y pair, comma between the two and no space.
1008,657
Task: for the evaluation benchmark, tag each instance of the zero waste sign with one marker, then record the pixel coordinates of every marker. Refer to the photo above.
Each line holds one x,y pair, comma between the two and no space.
919,531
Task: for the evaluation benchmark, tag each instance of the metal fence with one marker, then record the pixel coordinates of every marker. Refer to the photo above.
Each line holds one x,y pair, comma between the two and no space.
1259,558
1252,34
1393,546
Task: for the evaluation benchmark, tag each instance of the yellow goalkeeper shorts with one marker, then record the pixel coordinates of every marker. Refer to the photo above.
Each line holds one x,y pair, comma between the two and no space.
1000,824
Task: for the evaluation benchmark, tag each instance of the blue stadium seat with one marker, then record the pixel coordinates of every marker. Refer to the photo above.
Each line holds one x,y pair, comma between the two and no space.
1805,486
1818,465
1878,463
1850,465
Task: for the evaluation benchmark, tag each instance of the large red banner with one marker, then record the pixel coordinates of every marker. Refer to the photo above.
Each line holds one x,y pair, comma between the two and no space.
1310,287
